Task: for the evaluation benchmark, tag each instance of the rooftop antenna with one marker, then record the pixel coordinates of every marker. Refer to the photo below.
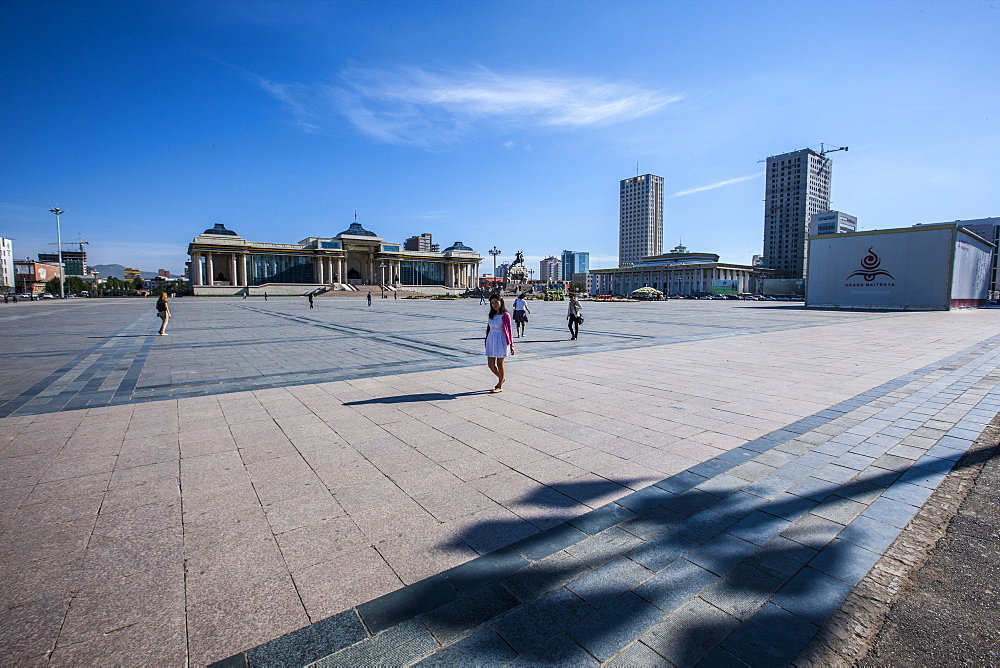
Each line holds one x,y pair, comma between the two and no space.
637,169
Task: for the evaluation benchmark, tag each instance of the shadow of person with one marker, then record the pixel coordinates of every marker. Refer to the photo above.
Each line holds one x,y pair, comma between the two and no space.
413,398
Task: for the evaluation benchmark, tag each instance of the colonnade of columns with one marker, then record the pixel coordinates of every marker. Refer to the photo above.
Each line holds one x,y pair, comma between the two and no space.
326,270
329,269
461,275
237,264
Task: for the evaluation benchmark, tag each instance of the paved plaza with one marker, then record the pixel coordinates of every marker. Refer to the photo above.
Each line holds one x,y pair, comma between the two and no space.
690,481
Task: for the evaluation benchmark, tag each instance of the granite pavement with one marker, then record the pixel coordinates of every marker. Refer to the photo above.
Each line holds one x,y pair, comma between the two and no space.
271,484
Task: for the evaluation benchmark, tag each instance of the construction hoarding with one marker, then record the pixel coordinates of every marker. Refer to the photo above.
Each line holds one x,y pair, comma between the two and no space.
928,267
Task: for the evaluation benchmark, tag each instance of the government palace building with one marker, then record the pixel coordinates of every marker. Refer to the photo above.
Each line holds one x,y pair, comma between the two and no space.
224,263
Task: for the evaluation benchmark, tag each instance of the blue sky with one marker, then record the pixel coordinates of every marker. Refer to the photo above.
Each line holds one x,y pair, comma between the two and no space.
506,123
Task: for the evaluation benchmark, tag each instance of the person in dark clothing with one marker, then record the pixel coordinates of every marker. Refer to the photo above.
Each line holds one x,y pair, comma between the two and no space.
369,298
574,317
310,300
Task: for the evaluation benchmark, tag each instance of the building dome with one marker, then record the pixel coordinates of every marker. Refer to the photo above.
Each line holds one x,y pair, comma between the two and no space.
458,246
356,230
220,229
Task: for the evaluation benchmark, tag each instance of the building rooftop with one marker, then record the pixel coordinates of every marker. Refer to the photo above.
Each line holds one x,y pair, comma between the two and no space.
358,231
220,229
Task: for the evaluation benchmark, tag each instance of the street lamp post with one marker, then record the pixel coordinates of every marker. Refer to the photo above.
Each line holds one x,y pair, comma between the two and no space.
382,267
62,272
494,252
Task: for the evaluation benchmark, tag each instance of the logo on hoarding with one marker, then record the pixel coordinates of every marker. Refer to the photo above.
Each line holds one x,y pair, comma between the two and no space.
870,271
870,268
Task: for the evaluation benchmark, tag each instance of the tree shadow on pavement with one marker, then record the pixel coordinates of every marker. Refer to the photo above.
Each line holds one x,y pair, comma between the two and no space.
706,571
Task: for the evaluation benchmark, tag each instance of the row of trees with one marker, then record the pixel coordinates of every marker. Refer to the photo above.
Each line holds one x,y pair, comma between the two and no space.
113,286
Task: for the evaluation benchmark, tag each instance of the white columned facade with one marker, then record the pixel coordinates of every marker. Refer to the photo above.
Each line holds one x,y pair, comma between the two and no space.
232,269
209,269
244,276
195,268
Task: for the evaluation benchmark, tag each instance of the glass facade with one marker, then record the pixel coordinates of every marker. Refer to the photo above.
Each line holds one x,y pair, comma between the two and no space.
574,262
281,269
416,272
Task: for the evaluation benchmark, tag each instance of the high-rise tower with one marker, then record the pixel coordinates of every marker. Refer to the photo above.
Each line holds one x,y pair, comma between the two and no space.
797,185
640,231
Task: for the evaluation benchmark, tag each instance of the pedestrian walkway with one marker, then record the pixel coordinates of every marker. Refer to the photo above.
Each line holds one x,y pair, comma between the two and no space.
736,561
321,517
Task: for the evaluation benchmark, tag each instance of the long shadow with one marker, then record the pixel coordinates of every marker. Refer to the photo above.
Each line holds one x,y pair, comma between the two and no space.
412,398
735,578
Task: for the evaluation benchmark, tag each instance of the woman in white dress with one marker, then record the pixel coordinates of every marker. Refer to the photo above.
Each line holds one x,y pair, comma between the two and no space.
499,339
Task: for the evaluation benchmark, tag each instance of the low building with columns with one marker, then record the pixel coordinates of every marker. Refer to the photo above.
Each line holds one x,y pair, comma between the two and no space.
678,272
224,263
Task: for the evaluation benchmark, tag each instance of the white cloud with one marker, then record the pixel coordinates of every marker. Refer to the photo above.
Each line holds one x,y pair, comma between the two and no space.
414,106
720,184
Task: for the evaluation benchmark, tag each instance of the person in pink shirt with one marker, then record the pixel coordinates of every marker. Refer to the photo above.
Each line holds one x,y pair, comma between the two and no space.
499,339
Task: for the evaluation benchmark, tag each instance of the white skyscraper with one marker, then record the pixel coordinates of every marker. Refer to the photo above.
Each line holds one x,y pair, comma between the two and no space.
6,262
797,185
640,231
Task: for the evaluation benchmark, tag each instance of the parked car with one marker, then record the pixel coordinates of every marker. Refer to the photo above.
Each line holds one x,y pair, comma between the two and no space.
47,296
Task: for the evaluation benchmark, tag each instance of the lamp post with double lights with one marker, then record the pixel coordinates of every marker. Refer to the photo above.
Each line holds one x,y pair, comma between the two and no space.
494,252
382,267
62,272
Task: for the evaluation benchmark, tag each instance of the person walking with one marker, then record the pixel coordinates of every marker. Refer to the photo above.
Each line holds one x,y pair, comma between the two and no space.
163,312
369,297
310,300
521,312
574,316
499,342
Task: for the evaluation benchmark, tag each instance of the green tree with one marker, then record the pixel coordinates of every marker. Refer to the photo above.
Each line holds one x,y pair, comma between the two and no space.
136,284
52,286
75,285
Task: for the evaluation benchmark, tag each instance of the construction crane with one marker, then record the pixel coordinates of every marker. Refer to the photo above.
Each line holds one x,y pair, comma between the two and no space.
823,150
78,242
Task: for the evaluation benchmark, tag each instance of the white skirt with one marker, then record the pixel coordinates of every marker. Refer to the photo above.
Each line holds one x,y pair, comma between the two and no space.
496,343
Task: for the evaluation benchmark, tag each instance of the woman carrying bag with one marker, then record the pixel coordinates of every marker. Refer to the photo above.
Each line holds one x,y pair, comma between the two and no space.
574,316
163,312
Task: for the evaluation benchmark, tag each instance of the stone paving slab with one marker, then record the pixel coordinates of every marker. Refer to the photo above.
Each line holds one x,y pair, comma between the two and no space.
101,352
192,529
717,598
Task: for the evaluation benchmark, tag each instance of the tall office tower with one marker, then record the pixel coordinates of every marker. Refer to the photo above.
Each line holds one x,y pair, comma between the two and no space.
551,269
797,186
574,262
640,219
